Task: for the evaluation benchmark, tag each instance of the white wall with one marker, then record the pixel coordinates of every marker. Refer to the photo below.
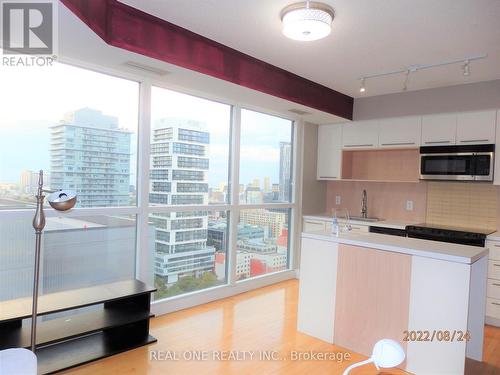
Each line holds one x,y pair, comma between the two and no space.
460,98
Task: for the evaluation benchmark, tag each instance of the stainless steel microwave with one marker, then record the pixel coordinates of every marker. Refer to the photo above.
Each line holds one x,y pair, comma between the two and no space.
457,163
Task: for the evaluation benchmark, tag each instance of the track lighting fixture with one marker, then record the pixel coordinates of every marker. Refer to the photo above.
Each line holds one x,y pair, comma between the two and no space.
413,68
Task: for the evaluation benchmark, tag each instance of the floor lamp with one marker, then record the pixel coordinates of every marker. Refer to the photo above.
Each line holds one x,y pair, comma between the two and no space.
60,200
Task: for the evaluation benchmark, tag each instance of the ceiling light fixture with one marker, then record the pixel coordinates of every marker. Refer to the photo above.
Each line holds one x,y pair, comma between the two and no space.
413,68
362,88
307,21
466,68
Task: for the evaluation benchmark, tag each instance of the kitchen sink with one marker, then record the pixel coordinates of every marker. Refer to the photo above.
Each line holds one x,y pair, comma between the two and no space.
367,219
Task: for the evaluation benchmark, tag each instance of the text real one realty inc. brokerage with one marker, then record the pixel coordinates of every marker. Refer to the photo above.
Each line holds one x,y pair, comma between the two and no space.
246,355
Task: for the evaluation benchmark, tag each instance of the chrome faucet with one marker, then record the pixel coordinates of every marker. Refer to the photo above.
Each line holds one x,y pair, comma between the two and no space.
364,205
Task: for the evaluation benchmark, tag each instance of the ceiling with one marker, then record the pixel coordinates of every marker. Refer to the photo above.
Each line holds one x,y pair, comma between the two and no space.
368,36
79,45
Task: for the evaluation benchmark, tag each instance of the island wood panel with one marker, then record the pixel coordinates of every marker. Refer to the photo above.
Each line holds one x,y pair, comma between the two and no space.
381,165
373,297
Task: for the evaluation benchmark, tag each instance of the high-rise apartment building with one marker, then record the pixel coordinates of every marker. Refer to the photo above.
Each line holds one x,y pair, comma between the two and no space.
272,222
179,168
91,155
267,184
285,171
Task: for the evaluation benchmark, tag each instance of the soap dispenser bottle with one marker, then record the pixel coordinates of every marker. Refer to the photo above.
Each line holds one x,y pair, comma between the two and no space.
335,224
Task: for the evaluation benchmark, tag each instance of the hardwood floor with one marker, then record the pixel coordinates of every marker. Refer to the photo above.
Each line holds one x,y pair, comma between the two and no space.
254,322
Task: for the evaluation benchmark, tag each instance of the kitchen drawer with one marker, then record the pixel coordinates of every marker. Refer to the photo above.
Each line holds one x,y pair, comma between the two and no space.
494,269
493,308
356,228
313,226
494,248
493,290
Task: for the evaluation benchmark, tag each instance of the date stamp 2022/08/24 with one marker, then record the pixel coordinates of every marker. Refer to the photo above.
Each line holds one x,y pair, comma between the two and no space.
436,335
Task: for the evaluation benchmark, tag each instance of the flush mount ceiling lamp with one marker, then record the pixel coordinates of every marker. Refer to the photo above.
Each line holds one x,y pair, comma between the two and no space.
414,68
307,21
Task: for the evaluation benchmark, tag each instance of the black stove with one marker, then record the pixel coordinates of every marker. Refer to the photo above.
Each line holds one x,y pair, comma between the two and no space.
458,235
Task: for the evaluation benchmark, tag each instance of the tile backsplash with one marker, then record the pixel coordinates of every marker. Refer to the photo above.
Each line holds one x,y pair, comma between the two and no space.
386,200
471,205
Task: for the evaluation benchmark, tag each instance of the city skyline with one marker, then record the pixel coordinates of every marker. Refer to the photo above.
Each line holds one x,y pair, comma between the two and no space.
47,90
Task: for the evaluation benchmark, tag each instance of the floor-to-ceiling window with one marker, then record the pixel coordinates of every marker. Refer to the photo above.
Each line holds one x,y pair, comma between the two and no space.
189,171
80,127
266,173
179,191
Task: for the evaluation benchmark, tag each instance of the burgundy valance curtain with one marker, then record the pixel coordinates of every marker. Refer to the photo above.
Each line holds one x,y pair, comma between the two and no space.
126,27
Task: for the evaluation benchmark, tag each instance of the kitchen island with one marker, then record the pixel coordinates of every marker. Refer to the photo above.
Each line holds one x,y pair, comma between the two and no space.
430,296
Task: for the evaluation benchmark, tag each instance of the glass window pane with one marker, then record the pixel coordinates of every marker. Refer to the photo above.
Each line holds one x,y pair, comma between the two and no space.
263,242
265,158
77,125
190,251
189,149
77,252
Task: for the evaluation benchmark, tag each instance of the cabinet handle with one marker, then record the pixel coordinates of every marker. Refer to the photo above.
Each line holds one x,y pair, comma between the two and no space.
313,222
496,284
496,265
327,176
496,245
360,145
474,140
398,144
434,142
495,303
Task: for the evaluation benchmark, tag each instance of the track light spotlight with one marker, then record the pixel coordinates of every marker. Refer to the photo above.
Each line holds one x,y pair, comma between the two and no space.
362,88
407,79
466,68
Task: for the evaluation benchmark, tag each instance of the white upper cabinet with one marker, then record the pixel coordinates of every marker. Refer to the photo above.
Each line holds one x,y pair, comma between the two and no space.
439,129
360,134
329,152
476,127
400,132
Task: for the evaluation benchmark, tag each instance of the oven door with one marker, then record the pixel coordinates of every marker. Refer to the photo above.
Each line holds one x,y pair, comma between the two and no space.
453,166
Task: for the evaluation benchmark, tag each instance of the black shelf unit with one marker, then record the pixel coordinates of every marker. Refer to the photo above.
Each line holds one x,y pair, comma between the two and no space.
121,324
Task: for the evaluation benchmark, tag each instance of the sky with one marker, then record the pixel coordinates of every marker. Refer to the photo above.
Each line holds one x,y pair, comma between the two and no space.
34,98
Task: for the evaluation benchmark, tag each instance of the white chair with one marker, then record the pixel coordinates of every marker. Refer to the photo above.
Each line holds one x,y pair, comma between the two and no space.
17,362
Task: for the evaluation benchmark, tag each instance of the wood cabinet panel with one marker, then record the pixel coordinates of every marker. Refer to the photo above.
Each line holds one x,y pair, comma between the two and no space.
373,297
381,165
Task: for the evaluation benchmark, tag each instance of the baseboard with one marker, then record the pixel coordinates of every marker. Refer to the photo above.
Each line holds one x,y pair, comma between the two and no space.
492,321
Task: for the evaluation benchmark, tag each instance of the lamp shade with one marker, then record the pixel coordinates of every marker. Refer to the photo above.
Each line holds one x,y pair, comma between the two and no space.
388,353
307,23
62,200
